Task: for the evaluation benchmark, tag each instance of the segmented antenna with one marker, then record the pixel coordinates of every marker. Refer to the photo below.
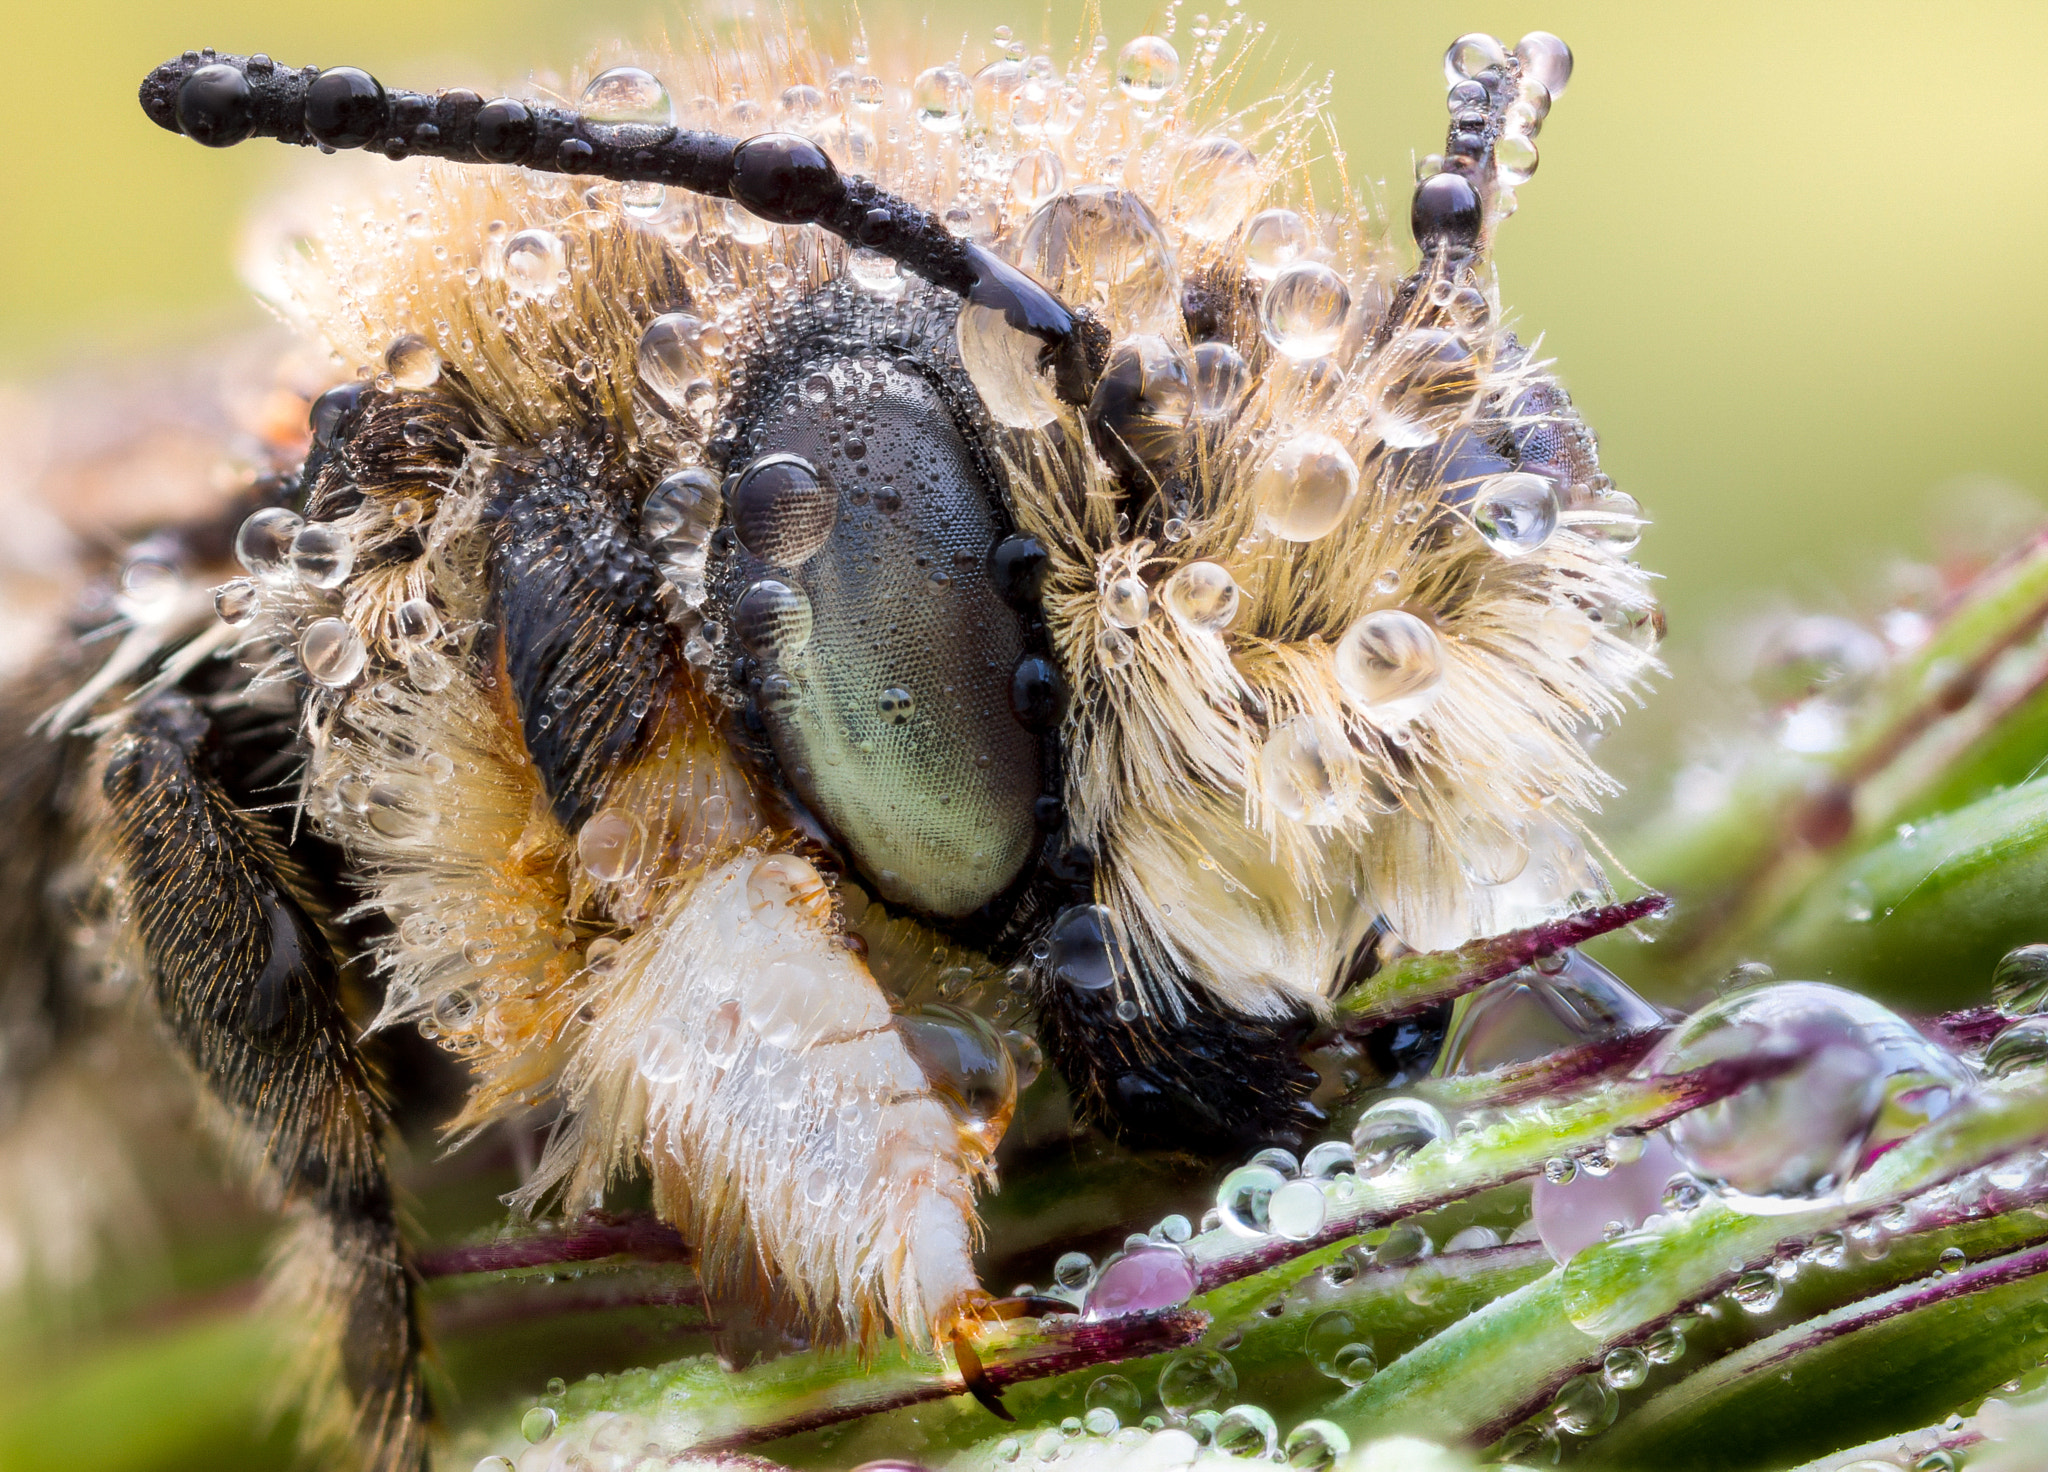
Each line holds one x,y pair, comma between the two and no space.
784,178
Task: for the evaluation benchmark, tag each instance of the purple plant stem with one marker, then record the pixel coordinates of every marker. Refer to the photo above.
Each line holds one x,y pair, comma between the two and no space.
640,1235
1480,961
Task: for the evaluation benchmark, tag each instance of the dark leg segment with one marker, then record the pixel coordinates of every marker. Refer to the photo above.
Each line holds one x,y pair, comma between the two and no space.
1216,1083
247,985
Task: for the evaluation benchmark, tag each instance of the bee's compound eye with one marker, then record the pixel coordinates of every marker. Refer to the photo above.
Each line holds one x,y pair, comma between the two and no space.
215,106
345,107
863,585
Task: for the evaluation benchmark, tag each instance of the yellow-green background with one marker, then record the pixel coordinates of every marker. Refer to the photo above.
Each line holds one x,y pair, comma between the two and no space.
1789,256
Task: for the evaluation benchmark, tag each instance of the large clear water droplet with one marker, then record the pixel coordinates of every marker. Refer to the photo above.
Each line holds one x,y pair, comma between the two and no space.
1515,513
1244,1198
1390,663
1339,1345
2019,983
1006,368
782,511
1194,1380
1272,240
322,555
1535,1012
535,264
1305,487
1215,184
1143,1280
941,98
332,653
1394,1129
1201,595
627,94
1143,403
1147,68
1298,774
1303,311
1846,1077
1101,248
611,846
263,544
1081,948
672,360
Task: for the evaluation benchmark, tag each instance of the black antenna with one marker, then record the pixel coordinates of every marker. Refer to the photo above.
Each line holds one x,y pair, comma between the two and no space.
785,178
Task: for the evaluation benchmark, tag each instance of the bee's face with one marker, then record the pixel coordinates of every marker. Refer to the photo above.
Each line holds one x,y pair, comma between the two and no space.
728,607
872,646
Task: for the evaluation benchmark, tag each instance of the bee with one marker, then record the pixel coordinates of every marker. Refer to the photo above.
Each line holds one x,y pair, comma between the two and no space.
805,588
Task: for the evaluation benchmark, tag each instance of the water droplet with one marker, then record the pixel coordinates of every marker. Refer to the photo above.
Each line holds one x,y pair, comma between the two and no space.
264,542
1394,1129
412,362
2019,983
1426,378
725,1034
1297,774
1141,1280
2023,1045
781,511
1850,1076
1272,240
1758,1290
322,555
1585,1405
237,602
964,1060
773,622
611,846
1215,184
1074,1271
1116,1396
1245,1196
626,94
1081,948
1101,248
535,263
1316,1444
664,1056
897,705
1126,603
1147,68
1472,54
1390,663
1625,1368
1201,595
941,98
1036,177
1514,158
1665,1346
1305,487
1221,379
1303,311
671,358
1194,1380
1004,366
1546,61
1246,1431
331,652
1140,411
1296,1211
1515,513
417,622
538,1424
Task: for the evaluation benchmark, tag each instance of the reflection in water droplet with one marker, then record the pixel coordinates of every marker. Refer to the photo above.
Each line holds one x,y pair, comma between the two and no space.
782,512
1303,311
1101,248
627,94
1126,603
941,98
1147,68
897,705
1194,1380
1004,365
1142,1280
1316,1444
1394,1129
412,362
264,542
671,357
1305,487
535,262
322,555
1515,513
1272,239
1297,1210
1221,379
1201,595
1036,177
2023,1045
1215,184
2019,983
1244,1197
773,621
237,602
1390,663
1081,948
664,1052
1846,1077
611,845
331,652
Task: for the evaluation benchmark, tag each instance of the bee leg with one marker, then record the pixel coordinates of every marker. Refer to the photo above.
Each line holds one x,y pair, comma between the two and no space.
1213,1082
975,1378
248,988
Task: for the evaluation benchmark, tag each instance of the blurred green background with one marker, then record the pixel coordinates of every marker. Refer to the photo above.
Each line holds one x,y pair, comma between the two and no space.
1787,256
